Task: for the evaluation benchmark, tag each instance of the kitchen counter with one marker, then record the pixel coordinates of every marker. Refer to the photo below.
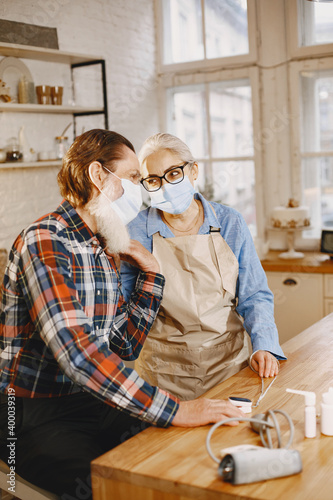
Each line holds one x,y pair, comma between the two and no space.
311,263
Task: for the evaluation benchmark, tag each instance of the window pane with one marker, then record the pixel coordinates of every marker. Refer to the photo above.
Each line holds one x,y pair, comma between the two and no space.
226,28
231,119
188,117
318,193
233,184
316,22
182,24
317,110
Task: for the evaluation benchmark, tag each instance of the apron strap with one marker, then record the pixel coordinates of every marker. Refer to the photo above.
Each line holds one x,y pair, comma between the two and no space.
213,229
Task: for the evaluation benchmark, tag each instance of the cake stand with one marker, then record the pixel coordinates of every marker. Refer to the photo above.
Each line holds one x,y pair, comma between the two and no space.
291,253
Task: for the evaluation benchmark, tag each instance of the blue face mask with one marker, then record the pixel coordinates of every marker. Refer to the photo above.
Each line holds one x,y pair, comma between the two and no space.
173,198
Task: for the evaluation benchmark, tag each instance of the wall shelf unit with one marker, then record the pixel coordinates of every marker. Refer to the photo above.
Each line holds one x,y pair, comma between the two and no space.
57,56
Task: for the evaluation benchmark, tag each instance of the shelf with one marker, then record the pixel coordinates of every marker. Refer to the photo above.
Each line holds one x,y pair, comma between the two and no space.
34,164
47,108
41,54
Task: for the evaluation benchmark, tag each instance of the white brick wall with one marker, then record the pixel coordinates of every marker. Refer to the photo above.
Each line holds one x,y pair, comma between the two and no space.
120,31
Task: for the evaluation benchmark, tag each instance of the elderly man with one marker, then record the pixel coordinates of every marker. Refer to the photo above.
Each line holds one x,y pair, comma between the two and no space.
64,326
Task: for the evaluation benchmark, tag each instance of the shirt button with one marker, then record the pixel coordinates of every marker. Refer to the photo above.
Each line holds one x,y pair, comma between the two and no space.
98,292
97,327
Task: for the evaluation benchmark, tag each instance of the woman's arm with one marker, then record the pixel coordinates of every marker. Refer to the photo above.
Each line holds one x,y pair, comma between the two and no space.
256,302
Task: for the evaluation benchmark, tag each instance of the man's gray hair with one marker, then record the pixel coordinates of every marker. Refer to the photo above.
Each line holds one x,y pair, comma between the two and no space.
158,142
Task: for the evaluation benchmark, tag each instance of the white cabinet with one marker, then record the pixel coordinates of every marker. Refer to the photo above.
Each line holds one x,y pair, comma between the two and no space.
299,300
328,294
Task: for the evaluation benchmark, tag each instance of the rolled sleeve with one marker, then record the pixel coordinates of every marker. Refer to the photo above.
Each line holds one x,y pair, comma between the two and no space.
255,299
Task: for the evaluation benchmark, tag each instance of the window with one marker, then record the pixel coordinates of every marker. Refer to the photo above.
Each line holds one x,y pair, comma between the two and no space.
182,31
204,30
310,30
316,21
260,124
317,145
213,115
226,32
312,111
215,120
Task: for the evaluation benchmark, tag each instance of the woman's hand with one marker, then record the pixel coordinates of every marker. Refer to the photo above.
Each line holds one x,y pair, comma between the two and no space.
138,256
265,364
205,411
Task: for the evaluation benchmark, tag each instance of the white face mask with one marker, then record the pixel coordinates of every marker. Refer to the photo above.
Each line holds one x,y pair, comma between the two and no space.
128,205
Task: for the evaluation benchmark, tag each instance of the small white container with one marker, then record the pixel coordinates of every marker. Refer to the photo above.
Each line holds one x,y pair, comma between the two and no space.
43,155
327,413
61,143
310,421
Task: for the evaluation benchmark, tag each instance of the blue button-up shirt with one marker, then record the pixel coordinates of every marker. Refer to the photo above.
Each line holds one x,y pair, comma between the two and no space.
255,300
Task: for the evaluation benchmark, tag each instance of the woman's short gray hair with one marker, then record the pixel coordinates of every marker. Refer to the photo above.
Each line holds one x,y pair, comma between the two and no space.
158,142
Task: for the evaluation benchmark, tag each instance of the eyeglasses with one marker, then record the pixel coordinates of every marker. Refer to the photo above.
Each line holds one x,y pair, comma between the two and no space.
174,175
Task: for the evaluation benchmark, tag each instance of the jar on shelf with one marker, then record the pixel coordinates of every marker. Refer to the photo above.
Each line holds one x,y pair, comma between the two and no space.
13,150
61,146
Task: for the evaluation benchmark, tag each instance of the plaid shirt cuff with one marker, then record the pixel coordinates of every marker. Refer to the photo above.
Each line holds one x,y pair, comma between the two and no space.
163,409
150,283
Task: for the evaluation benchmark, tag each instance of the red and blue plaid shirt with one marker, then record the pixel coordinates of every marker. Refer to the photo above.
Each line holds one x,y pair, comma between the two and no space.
64,324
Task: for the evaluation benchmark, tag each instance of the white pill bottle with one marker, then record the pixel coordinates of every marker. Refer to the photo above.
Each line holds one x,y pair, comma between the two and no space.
327,413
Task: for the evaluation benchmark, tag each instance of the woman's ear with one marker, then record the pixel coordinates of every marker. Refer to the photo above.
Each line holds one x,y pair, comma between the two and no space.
97,174
195,171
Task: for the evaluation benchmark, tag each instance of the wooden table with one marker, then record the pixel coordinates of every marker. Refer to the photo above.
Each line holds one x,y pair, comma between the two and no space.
173,464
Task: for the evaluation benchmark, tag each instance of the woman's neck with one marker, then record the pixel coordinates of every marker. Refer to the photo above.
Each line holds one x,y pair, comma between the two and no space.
187,222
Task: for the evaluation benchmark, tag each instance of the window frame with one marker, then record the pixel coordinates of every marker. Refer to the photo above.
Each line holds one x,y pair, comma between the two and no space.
220,62
293,34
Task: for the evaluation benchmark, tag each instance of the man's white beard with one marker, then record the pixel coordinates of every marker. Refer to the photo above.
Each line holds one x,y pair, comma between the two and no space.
109,224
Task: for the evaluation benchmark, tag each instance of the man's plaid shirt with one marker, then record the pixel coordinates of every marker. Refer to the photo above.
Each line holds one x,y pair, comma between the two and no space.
64,324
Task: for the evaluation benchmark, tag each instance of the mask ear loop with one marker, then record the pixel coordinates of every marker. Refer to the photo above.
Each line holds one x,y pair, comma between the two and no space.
100,190
262,393
110,172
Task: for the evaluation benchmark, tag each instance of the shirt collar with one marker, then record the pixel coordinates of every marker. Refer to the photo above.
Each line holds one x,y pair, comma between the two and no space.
156,225
72,219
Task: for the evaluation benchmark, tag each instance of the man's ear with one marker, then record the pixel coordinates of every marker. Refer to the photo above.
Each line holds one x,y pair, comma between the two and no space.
97,174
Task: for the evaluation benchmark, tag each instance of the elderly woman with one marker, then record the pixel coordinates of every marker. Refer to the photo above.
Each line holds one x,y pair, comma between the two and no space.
216,300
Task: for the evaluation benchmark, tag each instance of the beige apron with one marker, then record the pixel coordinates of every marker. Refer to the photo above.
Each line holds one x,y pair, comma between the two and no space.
197,339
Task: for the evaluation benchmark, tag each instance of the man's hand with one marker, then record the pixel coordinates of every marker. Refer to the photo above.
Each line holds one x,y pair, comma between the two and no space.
138,256
205,411
265,364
